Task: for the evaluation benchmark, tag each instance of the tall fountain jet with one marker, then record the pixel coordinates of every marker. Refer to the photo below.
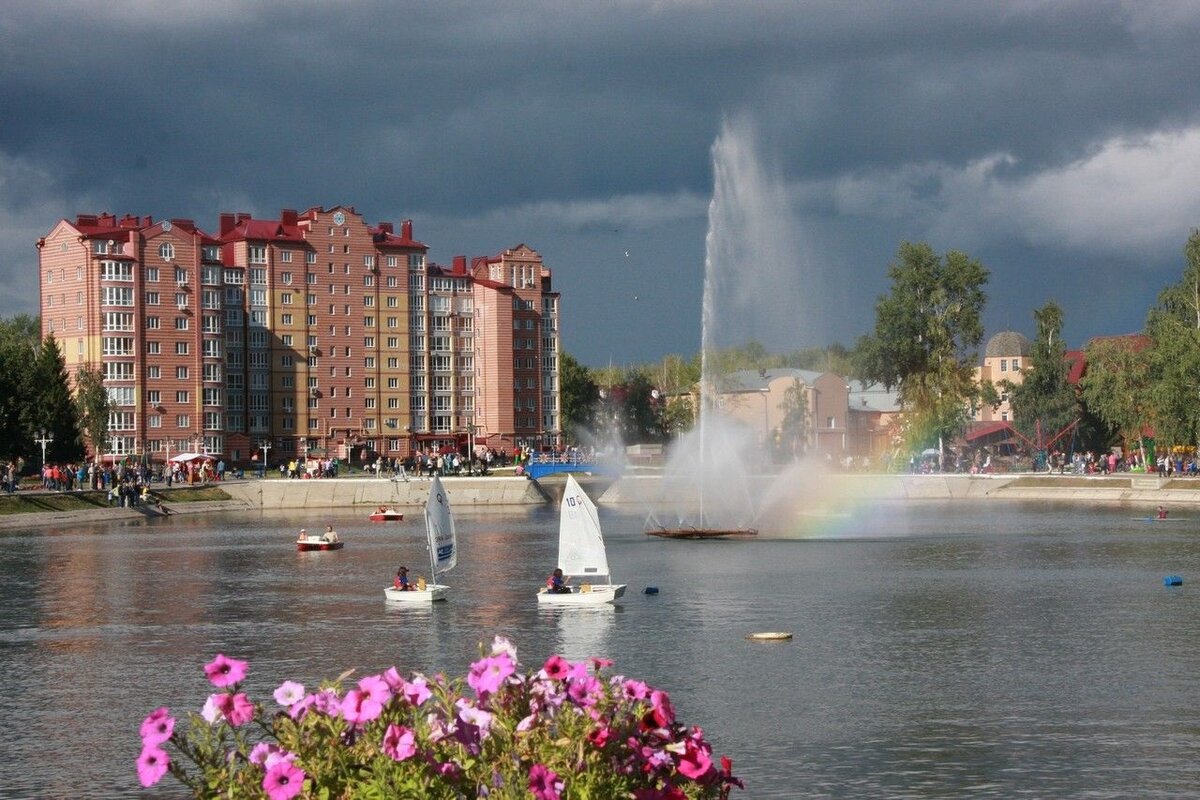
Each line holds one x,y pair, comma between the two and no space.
752,291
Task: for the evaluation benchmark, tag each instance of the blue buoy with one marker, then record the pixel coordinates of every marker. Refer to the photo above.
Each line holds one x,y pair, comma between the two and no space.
651,590
1173,580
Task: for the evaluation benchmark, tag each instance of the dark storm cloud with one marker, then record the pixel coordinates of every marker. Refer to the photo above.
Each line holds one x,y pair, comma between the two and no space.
1052,140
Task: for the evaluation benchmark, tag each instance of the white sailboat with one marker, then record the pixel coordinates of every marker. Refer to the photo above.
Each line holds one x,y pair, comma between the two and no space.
443,550
581,553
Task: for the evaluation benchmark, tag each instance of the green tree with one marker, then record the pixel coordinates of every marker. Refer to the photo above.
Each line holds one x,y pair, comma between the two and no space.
1115,387
53,410
1044,402
579,397
794,429
925,339
20,342
93,405
1174,355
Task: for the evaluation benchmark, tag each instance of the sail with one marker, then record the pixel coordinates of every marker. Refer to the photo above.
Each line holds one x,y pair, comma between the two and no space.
580,541
439,526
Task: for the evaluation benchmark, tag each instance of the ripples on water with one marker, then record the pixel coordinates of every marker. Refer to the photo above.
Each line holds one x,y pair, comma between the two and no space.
940,650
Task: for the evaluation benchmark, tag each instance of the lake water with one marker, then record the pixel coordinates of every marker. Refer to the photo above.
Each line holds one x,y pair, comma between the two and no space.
940,650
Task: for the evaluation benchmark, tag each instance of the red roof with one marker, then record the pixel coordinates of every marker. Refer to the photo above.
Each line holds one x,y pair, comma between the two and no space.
988,429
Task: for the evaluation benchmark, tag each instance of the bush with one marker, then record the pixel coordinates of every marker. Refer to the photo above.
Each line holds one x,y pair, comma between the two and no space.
566,731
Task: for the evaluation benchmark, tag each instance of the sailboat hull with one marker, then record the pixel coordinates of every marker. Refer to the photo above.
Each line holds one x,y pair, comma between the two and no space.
597,595
430,594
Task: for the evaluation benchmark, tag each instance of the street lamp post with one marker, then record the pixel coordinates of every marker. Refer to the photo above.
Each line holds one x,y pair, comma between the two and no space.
471,449
262,467
44,438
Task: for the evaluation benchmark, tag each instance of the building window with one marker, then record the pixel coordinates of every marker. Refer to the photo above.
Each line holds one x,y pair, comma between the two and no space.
1004,365
1016,365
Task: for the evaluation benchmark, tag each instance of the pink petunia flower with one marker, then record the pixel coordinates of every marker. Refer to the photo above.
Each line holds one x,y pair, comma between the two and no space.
258,753
544,783
635,690
475,716
695,762
288,693
599,737
283,781
664,712
585,692
222,671
377,687
556,668
327,702
236,708
157,727
417,691
393,679
601,663
488,675
360,707
299,708
399,742
152,765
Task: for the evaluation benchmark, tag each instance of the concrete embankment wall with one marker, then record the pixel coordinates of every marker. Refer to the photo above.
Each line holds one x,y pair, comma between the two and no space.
371,492
1134,489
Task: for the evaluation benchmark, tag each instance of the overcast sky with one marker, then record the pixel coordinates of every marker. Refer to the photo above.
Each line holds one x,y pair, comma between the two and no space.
1057,142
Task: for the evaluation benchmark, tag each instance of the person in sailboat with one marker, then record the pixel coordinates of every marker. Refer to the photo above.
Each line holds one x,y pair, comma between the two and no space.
557,584
401,580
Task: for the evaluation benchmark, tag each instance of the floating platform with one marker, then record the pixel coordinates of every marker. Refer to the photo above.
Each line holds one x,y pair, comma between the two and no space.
702,533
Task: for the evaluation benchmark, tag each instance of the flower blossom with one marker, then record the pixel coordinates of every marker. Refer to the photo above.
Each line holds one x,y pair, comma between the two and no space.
157,727
360,707
283,781
288,693
377,687
694,763
544,783
489,674
399,742
417,691
152,765
556,668
211,713
501,644
472,715
267,755
222,671
235,708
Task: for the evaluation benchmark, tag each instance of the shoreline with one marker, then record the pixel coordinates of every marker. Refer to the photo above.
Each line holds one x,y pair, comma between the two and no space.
261,495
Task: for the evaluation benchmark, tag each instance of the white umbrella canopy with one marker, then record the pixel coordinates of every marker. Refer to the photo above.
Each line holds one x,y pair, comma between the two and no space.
182,457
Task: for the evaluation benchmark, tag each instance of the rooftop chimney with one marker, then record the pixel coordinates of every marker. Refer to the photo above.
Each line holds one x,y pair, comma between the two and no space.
406,229
288,216
225,224
460,265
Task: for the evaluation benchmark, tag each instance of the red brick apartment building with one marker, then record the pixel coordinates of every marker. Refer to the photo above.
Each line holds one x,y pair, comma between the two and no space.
311,334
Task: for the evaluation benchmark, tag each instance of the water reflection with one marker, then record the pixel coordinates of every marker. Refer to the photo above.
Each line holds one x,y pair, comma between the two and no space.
583,631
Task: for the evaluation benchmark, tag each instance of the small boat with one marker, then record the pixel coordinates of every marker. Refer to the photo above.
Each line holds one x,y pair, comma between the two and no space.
581,553
442,542
388,514
702,533
319,541
769,636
